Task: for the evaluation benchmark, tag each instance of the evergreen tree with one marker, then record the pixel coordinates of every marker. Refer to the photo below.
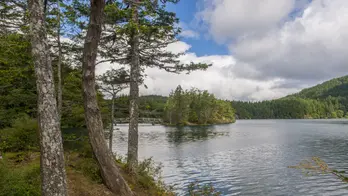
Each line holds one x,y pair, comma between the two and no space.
111,83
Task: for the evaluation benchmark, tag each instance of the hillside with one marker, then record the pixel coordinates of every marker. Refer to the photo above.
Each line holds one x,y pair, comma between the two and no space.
337,87
326,100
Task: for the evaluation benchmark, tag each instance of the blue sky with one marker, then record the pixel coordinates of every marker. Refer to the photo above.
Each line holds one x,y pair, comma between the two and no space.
186,11
204,44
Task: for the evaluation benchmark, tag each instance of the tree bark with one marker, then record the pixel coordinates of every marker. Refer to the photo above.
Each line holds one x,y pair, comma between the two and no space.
132,158
53,174
110,172
112,122
59,65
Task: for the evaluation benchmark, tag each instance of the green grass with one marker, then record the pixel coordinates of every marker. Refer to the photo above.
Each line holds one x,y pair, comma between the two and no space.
19,176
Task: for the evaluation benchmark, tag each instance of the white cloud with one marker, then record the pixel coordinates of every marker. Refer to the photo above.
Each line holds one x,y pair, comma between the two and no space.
217,79
269,45
189,34
311,47
227,19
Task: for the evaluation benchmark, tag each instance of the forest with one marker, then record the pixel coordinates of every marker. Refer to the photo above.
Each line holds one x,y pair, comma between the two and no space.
326,100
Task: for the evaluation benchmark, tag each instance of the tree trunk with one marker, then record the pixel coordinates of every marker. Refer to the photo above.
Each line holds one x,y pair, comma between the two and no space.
59,65
112,123
53,174
132,158
110,172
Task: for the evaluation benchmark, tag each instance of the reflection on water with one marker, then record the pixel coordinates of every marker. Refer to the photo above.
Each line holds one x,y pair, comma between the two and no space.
249,157
179,135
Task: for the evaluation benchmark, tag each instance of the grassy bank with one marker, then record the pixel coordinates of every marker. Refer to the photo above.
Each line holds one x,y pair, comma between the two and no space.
20,175
20,166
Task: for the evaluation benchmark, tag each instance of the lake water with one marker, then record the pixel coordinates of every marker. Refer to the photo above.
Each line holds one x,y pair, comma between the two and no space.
249,157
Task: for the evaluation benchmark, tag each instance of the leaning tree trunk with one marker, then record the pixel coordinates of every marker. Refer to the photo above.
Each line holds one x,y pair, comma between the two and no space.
110,172
53,174
112,122
132,158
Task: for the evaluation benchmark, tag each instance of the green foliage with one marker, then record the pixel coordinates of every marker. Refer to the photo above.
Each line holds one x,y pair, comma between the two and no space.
89,167
72,110
196,107
150,106
337,87
17,81
22,136
149,174
327,100
157,28
195,189
18,87
148,177
18,181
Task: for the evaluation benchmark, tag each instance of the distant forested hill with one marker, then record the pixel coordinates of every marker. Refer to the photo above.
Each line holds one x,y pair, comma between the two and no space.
326,100
337,87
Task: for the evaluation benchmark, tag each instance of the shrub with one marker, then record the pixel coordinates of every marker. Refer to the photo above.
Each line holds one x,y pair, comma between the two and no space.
149,174
18,181
316,165
89,167
22,136
195,189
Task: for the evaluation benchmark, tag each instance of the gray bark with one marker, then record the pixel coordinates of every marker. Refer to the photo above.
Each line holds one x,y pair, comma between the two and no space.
53,174
112,122
59,65
132,158
110,172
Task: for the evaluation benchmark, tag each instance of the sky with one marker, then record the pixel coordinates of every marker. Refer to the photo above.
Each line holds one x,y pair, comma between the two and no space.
259,49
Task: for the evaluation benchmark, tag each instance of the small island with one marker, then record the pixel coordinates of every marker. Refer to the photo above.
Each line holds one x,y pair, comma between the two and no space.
196,107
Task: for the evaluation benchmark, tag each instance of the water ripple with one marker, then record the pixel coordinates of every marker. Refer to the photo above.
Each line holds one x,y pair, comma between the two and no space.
248,157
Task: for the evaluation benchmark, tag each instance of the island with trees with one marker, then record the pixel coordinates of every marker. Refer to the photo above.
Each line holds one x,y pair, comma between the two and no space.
196,107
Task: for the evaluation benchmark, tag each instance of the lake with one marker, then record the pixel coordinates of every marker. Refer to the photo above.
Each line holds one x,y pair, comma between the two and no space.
249,157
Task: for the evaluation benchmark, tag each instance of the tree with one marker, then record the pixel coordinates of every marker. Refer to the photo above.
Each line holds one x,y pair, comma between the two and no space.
112,82
52,156
137,34
110,173
132,158
59,65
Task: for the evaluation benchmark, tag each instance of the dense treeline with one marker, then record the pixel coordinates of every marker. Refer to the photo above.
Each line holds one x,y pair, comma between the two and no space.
196,107
326,100
150,106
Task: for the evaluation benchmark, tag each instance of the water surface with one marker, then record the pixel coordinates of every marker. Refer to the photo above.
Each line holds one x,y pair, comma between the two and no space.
249,157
